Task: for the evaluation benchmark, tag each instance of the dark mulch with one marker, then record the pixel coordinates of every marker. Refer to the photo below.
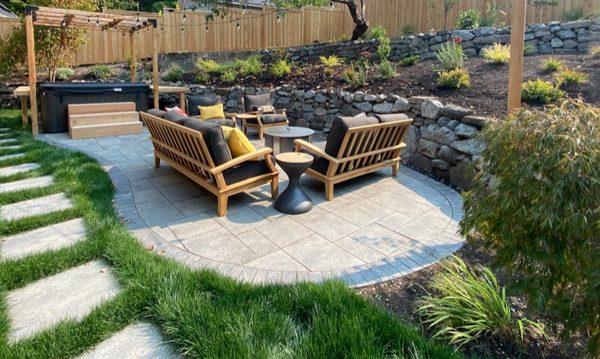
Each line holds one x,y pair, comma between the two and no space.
400,296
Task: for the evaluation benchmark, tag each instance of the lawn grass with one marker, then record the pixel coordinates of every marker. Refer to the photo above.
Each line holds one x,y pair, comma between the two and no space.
202,313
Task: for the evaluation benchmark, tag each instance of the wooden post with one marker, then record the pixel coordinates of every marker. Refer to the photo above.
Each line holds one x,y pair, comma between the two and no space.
24,111
155,65
182,100
517,45
133,54
32,72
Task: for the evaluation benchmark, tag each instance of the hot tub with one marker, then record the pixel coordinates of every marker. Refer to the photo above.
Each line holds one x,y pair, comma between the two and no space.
54,98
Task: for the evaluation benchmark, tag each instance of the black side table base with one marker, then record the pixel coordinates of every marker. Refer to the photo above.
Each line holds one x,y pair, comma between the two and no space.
293,201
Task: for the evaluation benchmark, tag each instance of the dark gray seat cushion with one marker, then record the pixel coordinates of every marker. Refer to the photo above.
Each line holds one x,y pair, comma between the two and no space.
156,112
213,136
245,170
271,118
193,101
253,102
176,117
339,128
391,117
222,122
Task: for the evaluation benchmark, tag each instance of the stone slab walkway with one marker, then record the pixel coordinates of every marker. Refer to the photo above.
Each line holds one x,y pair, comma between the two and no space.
29,183
4,129
10,157
7,140
137,341
377,227
13,170
35,207
42,239
13,147
72,294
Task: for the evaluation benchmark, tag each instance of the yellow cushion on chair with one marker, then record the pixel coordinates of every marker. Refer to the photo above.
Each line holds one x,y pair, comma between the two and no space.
208,112
237,142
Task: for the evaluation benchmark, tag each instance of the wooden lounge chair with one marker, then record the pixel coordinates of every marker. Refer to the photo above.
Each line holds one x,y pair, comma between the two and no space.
254,117
357,146
189,152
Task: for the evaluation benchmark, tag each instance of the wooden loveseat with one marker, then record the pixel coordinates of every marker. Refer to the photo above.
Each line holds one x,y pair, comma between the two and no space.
195,149
356,146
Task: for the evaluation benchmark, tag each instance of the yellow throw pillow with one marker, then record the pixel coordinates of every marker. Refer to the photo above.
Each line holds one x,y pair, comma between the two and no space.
208,112
237,142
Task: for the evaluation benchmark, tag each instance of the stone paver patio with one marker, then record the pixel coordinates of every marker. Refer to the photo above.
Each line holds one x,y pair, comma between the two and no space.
376,228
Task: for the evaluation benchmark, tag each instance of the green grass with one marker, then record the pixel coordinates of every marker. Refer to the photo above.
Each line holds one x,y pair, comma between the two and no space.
202,313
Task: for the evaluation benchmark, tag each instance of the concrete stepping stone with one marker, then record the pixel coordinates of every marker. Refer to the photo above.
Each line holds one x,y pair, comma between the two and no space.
139,340
8,140
15,147
13,170
72,294
42,239
10,157
29,183
4,129
35,207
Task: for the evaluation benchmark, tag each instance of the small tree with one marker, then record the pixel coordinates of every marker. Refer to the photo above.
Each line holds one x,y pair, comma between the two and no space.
54,47
447,6
541,214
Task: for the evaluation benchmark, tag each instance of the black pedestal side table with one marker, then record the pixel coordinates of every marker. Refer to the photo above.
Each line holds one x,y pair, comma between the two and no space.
294,200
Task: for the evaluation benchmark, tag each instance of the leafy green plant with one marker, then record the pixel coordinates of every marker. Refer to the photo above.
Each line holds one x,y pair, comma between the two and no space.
454,79
384,48
251,66
468,304
228,76
409,61
209,67
566,77
573,14
408,29
451,56
174,74
552,64
355,76
281,68
540,92
330,61
540,216
64,73
528,50
468,19
497,54
492,17
377,32
447,6
100,72
385,69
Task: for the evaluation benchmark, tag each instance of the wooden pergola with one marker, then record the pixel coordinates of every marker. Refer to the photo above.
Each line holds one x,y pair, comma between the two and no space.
65,18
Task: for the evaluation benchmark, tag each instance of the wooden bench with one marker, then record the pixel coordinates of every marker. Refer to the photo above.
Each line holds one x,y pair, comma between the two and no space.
103,119
185,150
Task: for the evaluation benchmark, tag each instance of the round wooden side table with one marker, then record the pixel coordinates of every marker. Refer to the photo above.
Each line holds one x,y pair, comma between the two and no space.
281,138
294,200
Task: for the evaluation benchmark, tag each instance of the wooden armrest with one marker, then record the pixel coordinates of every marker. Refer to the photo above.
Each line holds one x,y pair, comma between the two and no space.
316,150
230,114
239,160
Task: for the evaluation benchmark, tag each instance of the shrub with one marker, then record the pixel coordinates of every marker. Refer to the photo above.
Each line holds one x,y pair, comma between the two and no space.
330,61
174,74
281,68
541,216
64,73
100,72
469,304
408,29
251,66
209,67
497,54
528,50
552,64
468,19
492,17
202,78
454,79
355,76
573,14
385,69
567,77
384,48
228,76
541,92
377,32
409,61
595,51
451,56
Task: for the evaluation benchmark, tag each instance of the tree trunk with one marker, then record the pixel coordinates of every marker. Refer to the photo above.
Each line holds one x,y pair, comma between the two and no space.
360,23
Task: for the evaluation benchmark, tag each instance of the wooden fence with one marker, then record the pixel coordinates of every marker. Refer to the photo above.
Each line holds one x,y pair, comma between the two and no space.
256,29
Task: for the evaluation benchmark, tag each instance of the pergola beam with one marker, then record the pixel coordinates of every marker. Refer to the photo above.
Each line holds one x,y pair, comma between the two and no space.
29,34
517,46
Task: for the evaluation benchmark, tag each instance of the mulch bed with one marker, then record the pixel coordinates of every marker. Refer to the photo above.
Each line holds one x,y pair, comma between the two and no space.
400,296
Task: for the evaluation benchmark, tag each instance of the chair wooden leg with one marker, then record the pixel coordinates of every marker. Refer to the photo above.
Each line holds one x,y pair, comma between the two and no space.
222,205
156,161
329,191
275,187
395,169
260,133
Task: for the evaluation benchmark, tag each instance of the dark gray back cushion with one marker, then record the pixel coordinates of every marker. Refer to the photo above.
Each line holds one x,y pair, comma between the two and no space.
176,117
201,100
391,117
156,112
253,102
214,139
339,128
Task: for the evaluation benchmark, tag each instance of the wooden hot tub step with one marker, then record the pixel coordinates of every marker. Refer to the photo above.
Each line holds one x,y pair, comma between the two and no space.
103,118
100,130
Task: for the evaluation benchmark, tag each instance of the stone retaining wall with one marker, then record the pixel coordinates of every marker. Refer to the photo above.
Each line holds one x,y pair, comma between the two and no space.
442,140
